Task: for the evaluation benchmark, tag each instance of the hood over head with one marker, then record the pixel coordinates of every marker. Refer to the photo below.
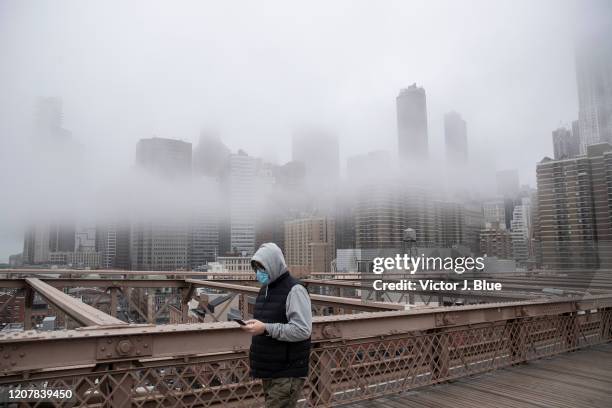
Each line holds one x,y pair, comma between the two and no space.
272,259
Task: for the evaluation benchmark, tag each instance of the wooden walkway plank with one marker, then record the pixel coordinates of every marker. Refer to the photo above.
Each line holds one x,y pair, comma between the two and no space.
578,379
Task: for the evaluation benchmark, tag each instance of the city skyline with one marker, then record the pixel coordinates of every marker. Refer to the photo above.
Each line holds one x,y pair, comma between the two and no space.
306,203
107,110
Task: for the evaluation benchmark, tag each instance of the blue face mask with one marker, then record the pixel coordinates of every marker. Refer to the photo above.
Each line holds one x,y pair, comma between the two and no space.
262,277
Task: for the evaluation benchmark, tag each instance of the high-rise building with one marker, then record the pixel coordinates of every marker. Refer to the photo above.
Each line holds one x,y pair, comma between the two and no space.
575,211
210,156
44,238
473,222
161,240
565,143
85,238
113,243
520,230
496,241
242,177
164,157
576,133
280,197
310,244
494,211
455,137
383,210
62,236
450,223
204,243
380,215
594,77
412,124
160,245
36,244
535,247
344,215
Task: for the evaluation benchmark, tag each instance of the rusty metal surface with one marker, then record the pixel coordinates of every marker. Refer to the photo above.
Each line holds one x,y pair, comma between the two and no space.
334,301
355,357
581,379
79,311
43,350
19,283
567,279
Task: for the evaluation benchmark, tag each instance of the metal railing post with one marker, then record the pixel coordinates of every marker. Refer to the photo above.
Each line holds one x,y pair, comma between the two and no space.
28,301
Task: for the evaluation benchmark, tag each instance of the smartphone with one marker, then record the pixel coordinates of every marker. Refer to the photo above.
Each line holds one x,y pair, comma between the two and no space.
240,322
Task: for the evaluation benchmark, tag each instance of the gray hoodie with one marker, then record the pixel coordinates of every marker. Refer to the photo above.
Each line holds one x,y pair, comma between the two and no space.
297,307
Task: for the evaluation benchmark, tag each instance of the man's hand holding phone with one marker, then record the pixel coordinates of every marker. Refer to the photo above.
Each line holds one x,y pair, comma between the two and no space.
254,327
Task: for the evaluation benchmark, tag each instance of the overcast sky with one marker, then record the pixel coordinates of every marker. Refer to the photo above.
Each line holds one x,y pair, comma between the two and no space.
253,71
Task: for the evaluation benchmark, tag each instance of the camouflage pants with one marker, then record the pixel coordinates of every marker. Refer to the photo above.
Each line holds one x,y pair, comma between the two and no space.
282,392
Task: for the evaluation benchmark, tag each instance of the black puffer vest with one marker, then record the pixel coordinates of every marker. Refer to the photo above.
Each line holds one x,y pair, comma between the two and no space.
271,358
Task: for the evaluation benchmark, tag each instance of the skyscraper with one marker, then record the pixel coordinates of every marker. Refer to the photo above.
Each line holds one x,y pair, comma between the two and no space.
495,212
344,215
162,245
566,143
574,210
496,241
412,124
380,215
204,244
113,242
36,244
310,244
210,155
383,210
594,76
242,202
521,230
473,222
43,238
455,137
160,238
85,238
164,157
576,132
450,223
61,236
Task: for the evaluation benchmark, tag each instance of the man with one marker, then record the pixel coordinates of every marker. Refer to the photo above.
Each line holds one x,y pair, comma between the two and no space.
281,328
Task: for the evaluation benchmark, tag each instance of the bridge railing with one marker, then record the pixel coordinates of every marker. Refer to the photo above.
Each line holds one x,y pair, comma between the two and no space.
354,357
